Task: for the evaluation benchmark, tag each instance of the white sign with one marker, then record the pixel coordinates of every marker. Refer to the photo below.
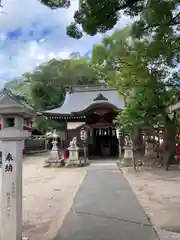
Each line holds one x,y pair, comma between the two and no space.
74,125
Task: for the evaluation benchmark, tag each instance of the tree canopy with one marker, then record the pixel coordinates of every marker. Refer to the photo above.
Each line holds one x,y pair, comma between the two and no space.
45,87
94,16
144,71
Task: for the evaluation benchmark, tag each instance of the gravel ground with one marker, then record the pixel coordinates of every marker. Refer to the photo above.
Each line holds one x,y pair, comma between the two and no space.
48,195
158,192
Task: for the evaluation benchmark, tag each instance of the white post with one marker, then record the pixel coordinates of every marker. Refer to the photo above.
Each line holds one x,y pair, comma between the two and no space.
11,206
12,113
12,137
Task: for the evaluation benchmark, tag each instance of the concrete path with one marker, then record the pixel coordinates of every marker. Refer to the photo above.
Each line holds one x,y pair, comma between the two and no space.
105,208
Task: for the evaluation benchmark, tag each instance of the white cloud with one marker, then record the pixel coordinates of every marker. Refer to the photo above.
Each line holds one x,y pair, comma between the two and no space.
20,13
22,54
27,58
3,37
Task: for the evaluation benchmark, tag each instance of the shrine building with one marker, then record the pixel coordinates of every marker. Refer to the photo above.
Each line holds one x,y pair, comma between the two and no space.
95,109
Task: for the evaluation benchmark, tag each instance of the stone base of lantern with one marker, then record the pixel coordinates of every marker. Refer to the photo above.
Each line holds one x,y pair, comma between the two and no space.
53,159
127,161
73,159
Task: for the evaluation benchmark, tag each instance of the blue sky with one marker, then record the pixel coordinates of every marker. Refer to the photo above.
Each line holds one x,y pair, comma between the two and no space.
31,33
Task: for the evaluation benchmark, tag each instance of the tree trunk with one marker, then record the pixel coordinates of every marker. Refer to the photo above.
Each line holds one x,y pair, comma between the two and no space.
137,140
170,142
137,146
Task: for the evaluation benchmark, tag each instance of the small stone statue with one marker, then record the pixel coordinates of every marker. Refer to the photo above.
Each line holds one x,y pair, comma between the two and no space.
73,143
128,142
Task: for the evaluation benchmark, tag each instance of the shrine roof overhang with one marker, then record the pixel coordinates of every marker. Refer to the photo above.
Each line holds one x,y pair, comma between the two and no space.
78,103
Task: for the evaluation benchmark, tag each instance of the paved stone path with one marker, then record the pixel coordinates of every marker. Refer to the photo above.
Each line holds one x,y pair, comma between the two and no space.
105,208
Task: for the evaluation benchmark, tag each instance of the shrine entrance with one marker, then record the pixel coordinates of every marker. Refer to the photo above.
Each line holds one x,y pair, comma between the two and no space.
105,142
102,139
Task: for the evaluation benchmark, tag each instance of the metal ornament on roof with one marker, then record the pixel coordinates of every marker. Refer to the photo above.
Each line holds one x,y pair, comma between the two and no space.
100,97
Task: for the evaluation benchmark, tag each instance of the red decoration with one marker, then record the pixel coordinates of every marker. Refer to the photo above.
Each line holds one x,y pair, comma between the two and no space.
161,147
65,156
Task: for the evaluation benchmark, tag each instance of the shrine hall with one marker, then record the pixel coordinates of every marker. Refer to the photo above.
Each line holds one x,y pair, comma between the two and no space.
94,108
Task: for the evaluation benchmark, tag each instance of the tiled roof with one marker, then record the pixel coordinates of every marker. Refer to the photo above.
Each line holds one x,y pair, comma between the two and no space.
17,98
81,98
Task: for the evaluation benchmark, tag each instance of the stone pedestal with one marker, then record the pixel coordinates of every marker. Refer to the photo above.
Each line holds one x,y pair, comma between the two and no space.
73,156
128,156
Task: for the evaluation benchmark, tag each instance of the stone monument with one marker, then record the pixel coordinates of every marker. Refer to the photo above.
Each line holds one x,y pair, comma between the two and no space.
12,135
73,153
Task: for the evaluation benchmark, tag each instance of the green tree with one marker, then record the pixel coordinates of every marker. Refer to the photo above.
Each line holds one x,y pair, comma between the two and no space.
45,87
141,71
95,16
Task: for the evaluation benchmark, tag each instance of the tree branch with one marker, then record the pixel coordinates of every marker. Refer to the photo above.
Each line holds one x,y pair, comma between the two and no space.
128,4
174,21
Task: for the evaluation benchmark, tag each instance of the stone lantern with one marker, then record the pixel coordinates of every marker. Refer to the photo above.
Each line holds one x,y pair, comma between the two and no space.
54,151
128,152
12,113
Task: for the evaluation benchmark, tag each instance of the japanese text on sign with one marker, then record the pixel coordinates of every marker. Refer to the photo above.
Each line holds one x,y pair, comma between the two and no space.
9,158
8,204
8,166
13,189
